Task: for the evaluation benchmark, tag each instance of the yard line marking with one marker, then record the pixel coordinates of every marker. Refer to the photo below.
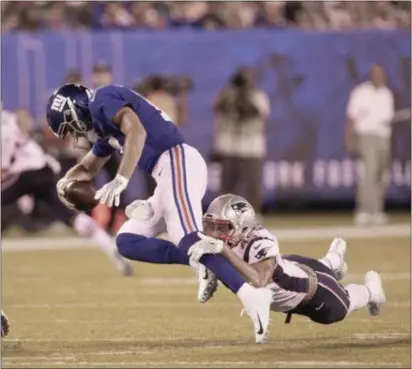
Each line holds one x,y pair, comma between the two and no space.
16,359
167,282
384,336
116,339
290,234
209,342
343,364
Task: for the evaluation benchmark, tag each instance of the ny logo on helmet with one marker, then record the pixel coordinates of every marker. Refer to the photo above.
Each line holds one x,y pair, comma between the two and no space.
58,103
239,208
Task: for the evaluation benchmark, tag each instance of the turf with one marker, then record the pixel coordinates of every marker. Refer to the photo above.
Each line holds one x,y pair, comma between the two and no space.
70,308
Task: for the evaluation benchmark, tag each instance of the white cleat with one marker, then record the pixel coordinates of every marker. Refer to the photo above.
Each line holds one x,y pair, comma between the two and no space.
338,246
373,283
256,302
122,265
207,284
5,325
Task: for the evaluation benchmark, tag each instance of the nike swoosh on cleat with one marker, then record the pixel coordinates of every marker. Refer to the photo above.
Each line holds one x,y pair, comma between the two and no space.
260,331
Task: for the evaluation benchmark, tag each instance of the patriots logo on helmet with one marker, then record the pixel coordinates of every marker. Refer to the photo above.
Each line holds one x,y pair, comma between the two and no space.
239,208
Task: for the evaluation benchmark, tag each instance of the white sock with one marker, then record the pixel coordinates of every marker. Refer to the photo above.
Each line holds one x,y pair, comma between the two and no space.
359,296
244,291
195,265
331,260
85,226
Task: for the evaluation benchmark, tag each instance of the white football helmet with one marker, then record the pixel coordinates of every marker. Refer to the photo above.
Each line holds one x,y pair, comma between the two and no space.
229,218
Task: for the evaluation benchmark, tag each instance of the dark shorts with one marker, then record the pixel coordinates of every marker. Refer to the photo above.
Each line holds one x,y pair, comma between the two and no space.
330,303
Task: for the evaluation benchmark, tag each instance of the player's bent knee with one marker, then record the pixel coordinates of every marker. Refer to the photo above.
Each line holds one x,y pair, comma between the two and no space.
137,227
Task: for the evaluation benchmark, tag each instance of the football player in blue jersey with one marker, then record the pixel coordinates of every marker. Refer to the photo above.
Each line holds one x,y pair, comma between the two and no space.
115,118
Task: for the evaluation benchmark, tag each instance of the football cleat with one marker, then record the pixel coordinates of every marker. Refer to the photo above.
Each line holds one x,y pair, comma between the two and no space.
256,303
122,265
207,284
338,246
373,283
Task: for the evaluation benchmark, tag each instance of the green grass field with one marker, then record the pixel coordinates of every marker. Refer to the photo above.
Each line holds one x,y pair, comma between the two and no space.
70,308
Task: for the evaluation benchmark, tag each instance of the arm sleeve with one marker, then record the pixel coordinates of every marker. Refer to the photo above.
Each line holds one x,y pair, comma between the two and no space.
102,149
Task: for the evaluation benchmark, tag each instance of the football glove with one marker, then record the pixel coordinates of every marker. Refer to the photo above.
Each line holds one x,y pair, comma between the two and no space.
109,194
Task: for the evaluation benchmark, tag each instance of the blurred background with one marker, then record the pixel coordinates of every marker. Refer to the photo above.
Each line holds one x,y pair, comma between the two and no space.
265,90
302,107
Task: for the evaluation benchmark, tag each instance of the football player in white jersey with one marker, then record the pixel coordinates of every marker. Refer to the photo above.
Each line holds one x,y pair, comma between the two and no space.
299,285
27,169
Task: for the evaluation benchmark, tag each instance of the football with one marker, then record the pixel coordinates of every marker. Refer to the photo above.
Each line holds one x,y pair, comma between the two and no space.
81,195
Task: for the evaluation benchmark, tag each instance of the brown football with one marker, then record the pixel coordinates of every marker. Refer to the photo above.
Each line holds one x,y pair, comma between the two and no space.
81,195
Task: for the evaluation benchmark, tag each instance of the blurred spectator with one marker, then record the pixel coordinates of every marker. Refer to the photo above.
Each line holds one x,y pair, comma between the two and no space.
146,15
115,15
209,15
101,75
24,120
242,111
74,76
238,14
273,14
339,17
56,19
79,13
212,19
370,113
159,92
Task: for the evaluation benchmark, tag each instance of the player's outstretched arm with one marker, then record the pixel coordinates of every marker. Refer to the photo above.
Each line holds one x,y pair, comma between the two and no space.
135,137
259,274
87,168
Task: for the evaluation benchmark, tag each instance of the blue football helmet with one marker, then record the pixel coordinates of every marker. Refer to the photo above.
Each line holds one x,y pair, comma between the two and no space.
68,111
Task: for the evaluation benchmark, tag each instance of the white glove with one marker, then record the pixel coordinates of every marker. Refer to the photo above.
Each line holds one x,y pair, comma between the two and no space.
140,209
109,194
61,186
206,245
